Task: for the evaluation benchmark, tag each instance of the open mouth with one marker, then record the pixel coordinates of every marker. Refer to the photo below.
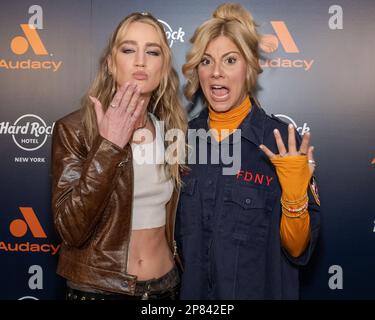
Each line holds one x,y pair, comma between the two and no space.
219,91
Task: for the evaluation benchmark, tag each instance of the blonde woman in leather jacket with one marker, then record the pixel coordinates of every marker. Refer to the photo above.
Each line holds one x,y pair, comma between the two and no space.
115,214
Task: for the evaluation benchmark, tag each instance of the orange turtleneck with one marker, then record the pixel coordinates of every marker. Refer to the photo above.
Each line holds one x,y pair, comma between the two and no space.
228,121
294,232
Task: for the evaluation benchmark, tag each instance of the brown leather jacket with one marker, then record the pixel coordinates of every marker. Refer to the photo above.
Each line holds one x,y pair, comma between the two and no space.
92,192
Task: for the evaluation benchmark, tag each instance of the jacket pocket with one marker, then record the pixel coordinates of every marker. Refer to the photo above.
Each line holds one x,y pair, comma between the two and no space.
248,213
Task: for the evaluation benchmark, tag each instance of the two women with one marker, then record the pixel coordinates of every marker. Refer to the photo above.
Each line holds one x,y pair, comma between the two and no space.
114,211
241,235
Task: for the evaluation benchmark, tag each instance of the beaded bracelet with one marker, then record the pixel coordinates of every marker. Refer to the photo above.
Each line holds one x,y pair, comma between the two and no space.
298,211
303,199
295,210
285,213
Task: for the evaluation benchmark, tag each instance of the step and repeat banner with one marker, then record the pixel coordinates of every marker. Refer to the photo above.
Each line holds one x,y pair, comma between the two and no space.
319,74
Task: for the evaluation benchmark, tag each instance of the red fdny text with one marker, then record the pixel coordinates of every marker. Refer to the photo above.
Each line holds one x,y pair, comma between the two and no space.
256,178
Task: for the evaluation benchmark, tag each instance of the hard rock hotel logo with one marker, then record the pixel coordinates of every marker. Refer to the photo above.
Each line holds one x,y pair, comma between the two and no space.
172,35
29,132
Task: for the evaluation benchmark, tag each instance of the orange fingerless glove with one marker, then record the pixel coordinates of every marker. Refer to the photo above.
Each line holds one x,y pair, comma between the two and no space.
294,177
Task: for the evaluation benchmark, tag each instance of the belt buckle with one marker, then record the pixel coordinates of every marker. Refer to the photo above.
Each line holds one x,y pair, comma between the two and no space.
145,294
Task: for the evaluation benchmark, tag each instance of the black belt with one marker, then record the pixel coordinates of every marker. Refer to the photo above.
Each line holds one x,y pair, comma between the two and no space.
74,294
158,286
166,287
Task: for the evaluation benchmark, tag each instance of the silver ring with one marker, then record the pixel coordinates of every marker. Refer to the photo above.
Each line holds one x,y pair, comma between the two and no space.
113,105
311,161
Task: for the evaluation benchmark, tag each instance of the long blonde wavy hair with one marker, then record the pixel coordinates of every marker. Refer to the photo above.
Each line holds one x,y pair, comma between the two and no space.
165,101
234,22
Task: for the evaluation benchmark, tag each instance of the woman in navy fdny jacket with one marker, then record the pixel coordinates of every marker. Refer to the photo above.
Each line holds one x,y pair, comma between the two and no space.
241,233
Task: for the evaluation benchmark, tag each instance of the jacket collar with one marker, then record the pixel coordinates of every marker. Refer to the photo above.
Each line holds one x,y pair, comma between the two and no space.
252,127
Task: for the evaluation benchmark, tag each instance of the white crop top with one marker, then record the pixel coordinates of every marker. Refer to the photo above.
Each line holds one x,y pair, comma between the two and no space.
152,189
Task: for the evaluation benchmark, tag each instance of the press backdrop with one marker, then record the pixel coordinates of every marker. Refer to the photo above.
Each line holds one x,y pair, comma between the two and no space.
318,75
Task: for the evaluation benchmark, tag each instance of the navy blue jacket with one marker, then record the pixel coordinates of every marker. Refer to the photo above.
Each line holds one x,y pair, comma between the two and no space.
228,226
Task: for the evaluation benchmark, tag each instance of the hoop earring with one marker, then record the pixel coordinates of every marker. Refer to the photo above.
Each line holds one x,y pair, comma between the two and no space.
106,70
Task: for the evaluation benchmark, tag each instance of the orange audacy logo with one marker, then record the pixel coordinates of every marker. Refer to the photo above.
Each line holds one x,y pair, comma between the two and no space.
373,161
18,227
20,45
269,43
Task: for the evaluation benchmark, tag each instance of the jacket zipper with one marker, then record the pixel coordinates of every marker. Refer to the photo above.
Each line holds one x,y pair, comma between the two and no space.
174,243
131,215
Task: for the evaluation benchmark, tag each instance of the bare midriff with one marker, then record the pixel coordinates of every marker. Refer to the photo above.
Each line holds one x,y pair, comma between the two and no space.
149,254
